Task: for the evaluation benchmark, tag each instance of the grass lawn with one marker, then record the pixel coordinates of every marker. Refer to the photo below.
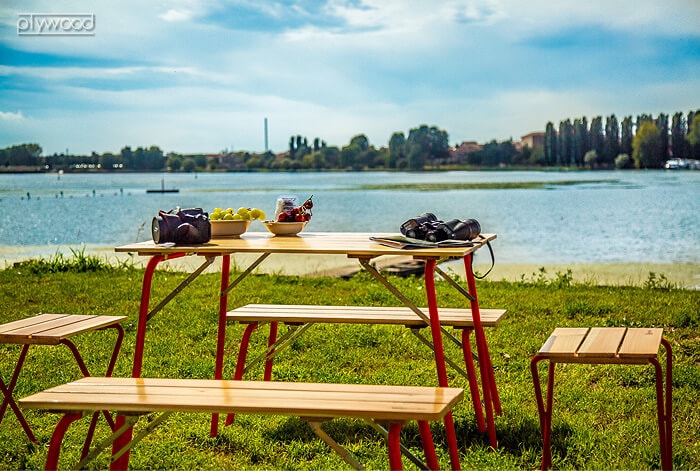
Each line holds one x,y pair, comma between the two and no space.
604,416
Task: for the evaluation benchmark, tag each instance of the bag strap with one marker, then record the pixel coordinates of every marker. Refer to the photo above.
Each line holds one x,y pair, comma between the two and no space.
493,262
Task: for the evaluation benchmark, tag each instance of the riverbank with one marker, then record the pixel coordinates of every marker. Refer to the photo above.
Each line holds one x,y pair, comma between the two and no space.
605,274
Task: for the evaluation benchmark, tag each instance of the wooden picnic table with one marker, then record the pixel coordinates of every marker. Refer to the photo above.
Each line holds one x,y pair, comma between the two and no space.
352,245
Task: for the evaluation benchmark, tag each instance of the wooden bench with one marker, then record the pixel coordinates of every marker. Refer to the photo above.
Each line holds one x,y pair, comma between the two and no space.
605,345
53,329
301,317
313,402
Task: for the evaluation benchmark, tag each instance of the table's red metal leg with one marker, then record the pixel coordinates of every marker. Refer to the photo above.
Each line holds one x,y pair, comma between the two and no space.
428,445
473,383
664,408
57,438
440,356
143,314
488,381
221,333
7,391
122,462
394,444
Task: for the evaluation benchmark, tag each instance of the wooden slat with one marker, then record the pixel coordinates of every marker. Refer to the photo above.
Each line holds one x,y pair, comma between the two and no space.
28,321
563,342
402,315
602,342
140,395
50,329
641,342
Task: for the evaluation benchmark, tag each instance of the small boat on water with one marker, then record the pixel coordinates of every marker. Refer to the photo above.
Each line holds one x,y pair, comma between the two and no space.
162,188
682,164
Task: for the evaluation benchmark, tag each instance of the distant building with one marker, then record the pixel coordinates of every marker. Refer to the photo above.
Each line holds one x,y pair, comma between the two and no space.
467,147
532,140
458,154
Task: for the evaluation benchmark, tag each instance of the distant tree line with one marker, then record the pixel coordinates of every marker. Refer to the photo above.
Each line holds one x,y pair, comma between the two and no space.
645,142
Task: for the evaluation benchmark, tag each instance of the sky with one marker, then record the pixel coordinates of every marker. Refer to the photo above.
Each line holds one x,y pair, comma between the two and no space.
203,76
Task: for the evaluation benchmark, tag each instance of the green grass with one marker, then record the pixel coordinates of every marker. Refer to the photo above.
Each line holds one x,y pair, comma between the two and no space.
604,416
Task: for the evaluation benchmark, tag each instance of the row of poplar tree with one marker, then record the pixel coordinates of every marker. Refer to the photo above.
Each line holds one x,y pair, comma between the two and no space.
647,142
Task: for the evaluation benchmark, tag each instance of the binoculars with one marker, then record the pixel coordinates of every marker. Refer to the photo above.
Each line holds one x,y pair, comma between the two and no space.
428,227
181,226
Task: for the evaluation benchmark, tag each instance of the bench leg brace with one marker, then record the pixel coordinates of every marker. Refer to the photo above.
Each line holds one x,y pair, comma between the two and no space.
345,454
86,458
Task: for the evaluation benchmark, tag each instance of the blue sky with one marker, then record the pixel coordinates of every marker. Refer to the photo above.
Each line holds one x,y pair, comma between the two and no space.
202,76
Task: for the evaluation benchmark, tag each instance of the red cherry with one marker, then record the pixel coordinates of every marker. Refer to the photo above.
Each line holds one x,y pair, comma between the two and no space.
308,204
307,217
299,218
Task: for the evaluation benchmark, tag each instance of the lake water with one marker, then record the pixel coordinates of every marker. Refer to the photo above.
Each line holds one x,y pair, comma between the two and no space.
608,217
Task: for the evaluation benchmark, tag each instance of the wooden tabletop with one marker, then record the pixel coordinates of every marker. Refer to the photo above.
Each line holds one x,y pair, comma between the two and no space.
50,329
352,244
144,395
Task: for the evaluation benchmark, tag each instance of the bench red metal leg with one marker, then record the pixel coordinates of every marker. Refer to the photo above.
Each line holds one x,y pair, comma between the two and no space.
57,438
394,444
544,411
7,391
221,333
240,362
664,407
473,383
271,339
428,445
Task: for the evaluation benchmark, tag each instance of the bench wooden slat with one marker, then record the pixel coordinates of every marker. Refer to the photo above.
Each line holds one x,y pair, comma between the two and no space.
301,314
50,329
323,400
601,342
563,342
28,321
640,342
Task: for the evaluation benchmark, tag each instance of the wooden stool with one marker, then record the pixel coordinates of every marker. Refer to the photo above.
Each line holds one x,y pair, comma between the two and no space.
605,345
53,329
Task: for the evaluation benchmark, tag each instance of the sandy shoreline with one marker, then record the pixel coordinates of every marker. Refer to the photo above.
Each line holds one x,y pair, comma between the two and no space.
610,274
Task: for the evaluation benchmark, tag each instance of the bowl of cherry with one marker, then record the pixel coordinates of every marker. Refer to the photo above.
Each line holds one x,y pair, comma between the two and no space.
291,221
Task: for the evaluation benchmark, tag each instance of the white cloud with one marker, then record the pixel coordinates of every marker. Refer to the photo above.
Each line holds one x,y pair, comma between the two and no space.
10,116
176,15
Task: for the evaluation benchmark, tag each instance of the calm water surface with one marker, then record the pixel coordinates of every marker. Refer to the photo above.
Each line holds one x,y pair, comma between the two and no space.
608,217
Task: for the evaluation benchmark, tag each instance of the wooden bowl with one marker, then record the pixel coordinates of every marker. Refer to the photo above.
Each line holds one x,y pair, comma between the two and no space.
229,228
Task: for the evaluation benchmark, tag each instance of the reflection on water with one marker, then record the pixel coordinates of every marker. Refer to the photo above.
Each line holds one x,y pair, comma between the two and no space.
623,217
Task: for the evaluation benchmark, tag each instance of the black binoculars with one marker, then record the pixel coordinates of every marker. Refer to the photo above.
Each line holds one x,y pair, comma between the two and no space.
428,227
181,226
